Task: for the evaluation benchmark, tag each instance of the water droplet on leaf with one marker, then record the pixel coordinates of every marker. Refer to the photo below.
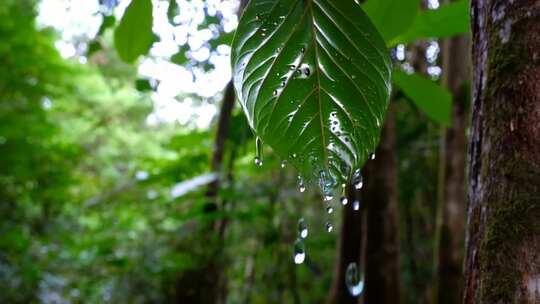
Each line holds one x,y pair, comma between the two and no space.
357,180
258,152
329,210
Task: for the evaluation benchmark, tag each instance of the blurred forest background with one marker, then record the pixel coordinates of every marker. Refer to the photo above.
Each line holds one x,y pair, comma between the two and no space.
130,179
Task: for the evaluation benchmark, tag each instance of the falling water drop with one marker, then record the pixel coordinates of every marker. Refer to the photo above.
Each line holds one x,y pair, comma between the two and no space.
354,280
258,152
302,229
344,201
356,205
329,210
357,180
301,184
299,252
329,227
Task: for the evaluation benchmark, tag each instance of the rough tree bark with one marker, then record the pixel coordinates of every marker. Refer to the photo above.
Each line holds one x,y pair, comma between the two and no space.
502,262
373,227
452,192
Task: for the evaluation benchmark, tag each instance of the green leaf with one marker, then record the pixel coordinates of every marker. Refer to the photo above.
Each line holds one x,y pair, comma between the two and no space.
448,20
313,78
143,85
172,11
431,98
108,22
133,36
392,17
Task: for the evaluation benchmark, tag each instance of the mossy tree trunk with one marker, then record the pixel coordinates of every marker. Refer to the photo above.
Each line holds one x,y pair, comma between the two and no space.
503,238
452,192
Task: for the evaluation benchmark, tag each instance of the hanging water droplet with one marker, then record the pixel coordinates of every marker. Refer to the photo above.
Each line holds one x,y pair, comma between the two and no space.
328,197
356,205
344,201
329,210
301,184
357,180
303,50
299,252
283,164
329,227
258,17
258,152
293,155
372,156
302,229
275,93
354,280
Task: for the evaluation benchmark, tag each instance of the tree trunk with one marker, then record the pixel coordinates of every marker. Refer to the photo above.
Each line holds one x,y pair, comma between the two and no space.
380,197
207,285
503,238
452,192
373,227
350,244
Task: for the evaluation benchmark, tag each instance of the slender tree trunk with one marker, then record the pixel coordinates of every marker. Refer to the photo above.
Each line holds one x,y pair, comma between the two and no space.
452,192
207,285
381,196
503,238
373,227
350,244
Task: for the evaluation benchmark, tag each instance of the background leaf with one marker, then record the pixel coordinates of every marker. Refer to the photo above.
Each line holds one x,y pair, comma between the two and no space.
431,98
313,78
448,20
133,36
392,17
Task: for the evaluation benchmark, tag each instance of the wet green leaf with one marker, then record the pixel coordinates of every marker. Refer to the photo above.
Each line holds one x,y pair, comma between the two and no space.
133,36
313,78
431,98
392,17
448,20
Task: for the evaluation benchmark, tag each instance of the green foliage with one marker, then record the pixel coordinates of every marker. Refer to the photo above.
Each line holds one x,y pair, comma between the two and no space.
313,79
431,98
449,20
88,213
133,36
392,17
